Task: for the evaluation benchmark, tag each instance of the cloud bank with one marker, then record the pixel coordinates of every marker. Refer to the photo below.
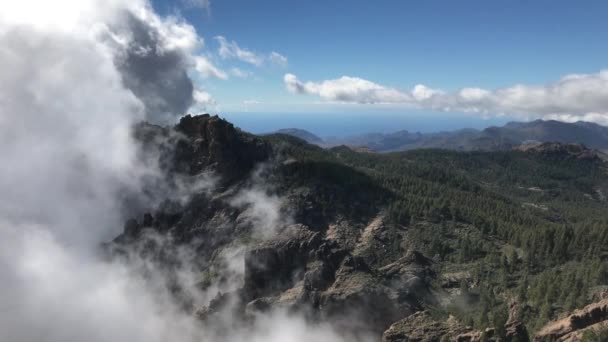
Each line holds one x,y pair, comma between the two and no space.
76,76
71,88
571,98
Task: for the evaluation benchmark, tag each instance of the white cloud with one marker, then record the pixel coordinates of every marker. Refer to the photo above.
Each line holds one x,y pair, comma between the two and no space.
202,4
65,134
579,96
263,210
240,73
202,101
278,59
203,97
473,94
230,49
143,46
599,118
346,89
422,92
207,69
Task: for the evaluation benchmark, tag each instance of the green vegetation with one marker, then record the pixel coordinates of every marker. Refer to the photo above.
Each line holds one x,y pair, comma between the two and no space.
514,226
595,336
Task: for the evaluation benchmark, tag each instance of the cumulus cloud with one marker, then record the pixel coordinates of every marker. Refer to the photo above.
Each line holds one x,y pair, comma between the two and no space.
61,99
154,56
346,89
573,97
153,61
203,101
232,50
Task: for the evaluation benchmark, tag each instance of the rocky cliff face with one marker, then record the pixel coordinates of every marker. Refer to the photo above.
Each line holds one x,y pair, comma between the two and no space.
593,317
421,327
332,265
214,144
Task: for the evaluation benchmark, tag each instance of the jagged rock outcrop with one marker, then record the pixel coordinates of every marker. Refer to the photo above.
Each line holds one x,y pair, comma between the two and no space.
572,327
276,265
302,270
515,330
421,327
216,144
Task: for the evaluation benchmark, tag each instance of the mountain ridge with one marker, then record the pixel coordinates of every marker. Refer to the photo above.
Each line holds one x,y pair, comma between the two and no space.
302,134
378,244
492,138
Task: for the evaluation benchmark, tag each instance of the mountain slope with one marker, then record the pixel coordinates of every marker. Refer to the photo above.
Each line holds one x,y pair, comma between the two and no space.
302,134
362,241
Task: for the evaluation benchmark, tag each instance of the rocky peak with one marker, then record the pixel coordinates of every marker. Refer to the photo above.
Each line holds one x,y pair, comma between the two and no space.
205,126
215,144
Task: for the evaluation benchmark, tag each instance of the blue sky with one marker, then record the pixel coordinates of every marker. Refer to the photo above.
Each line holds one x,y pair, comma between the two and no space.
444,45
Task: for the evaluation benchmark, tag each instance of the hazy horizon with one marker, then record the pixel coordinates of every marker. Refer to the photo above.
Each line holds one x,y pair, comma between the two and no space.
346,124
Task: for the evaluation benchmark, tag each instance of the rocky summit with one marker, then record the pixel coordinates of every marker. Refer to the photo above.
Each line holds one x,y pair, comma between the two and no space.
425,245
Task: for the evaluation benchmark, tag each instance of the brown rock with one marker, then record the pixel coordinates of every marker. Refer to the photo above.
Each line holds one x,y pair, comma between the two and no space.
214,143
570,328
515,330
420,327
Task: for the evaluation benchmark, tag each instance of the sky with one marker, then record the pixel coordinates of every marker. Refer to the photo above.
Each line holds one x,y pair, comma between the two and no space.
386,49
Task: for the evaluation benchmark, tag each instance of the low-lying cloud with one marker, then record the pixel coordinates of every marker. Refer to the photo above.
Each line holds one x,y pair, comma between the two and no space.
571,98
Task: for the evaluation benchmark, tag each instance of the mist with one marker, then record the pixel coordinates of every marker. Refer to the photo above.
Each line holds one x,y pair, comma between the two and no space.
74,81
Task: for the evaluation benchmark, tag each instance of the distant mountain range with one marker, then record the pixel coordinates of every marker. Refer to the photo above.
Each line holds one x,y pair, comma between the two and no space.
490,139
302,134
